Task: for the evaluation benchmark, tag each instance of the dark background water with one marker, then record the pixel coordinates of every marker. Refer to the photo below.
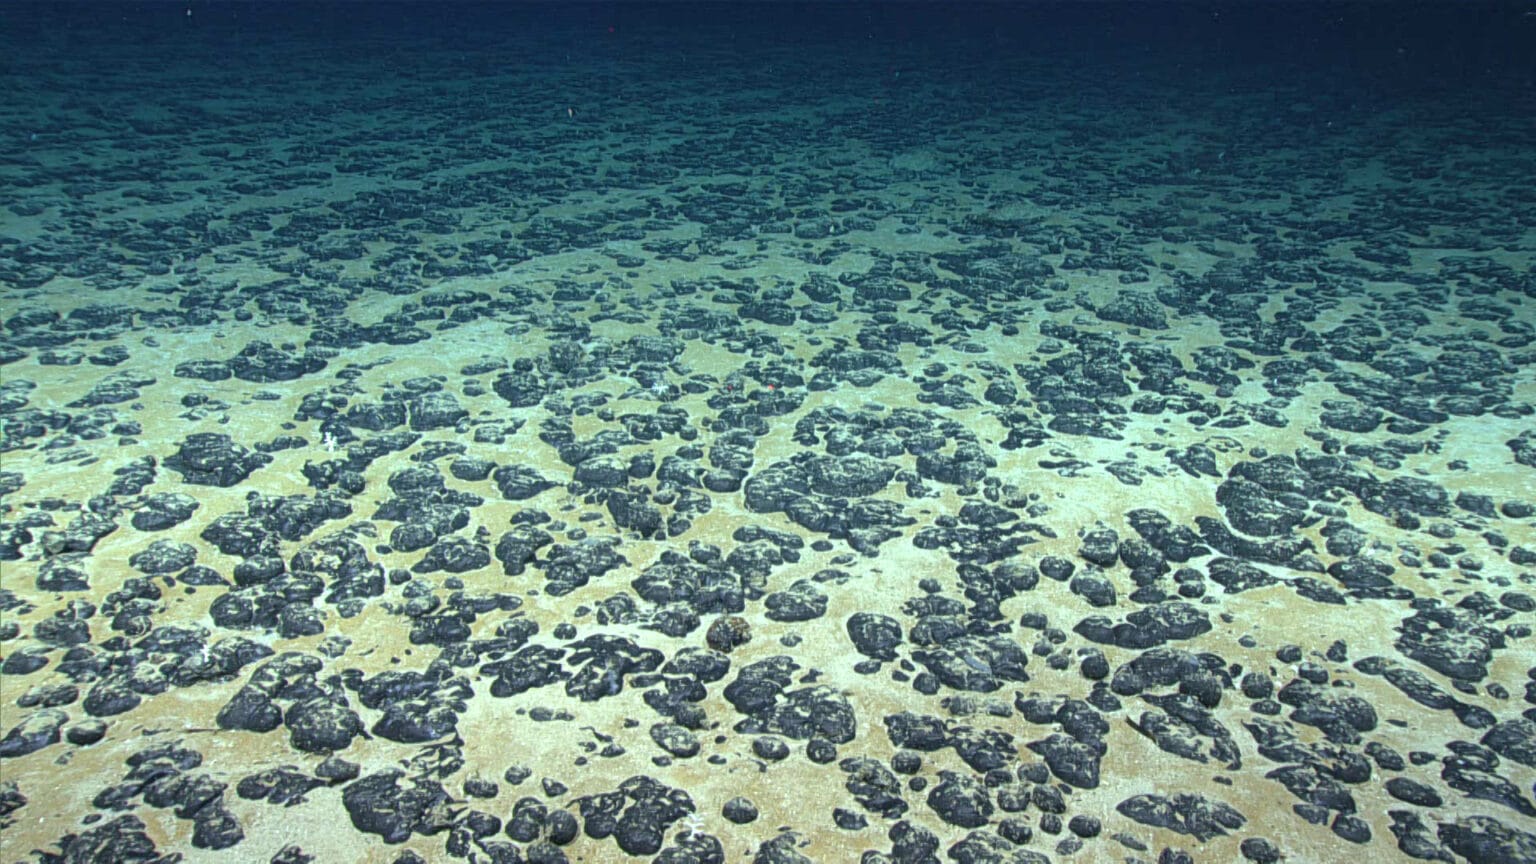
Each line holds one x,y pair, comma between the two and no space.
1389,47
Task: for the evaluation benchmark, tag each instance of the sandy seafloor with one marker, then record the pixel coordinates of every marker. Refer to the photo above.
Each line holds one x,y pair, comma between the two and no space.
1114,430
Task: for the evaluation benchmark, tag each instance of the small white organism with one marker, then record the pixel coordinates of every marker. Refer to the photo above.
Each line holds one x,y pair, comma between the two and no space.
693,823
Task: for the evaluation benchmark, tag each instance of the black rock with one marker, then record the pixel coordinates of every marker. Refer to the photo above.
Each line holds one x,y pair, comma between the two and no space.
759,691
572,566
983,749
415,721
1471,769
1188,730
1413,837
277,786
1135,308
11,800
435,410
770,748
453,555
25,661
1363,576
637,816
1258,511
976,663
162,557
874,786
1455,641
528,819
849,820
1086,827
123,839
519,482
633,512
801,601
1148,627
58,575
1072,761
1486,840
337,770
262,363
1185,813
1315,788
1351,828
529,667
1513,739
212,459
1340,715
1257,685
1259,851
110,696
1236,576
856,475
1100,546
471,468
1095,588
378,804
516,548
1385,757
163,510
1095,666
1417,686
781,850
1162,667
321,725
292,853
960,799
539,852
86,732
740,811
37,730
675,739
917,732
874,635
1056,567
602,662
1413,792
